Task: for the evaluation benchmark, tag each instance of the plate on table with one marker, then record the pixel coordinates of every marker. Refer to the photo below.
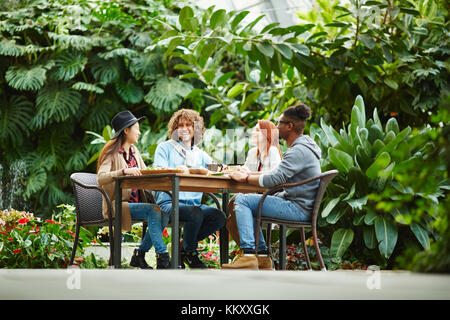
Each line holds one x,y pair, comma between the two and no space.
159,171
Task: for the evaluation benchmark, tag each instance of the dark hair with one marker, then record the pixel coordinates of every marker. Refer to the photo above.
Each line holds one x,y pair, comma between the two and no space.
300,112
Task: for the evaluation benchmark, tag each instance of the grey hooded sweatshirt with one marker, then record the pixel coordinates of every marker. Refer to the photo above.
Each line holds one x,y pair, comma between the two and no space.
300,162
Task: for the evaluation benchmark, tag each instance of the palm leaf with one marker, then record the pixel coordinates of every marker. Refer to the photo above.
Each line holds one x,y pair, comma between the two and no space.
106,71
119,52
15,116
56,103
101,112
146,66
80,86
23,78
130,91
167,94
10,48
75,41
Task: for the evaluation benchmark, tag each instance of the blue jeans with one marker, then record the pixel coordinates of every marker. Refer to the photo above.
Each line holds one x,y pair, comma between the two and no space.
246,209
156,220
199,222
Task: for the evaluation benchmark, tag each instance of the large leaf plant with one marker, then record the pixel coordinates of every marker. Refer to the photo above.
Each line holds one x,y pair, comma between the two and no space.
366,153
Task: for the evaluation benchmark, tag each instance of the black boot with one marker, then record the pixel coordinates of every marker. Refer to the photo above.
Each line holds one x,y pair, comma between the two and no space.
192,260
162,260
138,260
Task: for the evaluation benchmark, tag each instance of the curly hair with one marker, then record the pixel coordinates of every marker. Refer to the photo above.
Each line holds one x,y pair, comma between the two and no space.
192,116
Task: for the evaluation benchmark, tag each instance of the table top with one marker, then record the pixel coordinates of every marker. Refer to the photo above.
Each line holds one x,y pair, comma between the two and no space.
188,182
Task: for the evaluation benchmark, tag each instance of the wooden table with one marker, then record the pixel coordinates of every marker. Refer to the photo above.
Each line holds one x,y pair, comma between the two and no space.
176,182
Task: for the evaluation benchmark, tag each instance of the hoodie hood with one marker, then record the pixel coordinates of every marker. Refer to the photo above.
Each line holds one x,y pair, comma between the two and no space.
309,143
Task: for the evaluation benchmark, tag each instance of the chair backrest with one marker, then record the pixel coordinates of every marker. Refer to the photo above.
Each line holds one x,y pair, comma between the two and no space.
88,197
325,179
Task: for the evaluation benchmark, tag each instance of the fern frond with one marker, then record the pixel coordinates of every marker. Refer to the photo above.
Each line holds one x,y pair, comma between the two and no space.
106,71
10,48
15,116
68,65
76,41
36,181
119,52
167,94
147,66
23,78
80,86
129,91
99,115
55,102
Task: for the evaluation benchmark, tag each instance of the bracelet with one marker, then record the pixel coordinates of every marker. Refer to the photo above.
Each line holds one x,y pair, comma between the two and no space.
123,171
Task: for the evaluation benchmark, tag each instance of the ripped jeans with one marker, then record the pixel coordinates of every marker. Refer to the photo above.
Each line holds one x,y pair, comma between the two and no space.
157,220
246,208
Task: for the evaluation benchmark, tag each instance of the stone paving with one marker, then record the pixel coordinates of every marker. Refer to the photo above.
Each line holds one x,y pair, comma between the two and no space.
87,284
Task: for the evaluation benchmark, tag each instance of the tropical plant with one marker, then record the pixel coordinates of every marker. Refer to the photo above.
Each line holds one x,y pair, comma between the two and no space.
367,155
67,67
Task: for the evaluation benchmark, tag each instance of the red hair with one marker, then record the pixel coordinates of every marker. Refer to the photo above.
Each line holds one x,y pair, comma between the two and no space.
270,131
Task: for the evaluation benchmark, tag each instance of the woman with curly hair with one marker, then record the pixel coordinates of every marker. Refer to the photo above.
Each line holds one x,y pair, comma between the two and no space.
186,129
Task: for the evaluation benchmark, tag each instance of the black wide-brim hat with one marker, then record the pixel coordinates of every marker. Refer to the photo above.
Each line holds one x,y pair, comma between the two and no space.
122,120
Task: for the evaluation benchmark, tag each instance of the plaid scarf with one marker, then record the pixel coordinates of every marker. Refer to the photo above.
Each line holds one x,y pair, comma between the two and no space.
131,163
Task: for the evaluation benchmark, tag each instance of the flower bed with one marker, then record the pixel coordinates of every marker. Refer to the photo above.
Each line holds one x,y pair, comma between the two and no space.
27,241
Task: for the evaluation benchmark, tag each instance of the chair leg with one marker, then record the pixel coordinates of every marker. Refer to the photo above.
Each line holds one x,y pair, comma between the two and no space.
282,247
269,237
302,235
75,244
316,246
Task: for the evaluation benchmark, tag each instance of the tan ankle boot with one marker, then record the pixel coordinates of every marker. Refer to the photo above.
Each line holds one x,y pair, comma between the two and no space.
265,262
243,262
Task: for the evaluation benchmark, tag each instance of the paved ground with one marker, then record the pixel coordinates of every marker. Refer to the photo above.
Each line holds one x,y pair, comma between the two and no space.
204,285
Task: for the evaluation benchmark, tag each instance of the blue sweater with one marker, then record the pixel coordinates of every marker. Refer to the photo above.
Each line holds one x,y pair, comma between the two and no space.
167,156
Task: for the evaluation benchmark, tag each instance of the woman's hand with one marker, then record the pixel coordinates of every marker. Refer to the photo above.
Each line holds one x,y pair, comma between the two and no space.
244,169
239,176
132,172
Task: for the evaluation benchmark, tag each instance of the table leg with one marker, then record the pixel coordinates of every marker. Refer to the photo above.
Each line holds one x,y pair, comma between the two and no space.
224,237
175,222
118,227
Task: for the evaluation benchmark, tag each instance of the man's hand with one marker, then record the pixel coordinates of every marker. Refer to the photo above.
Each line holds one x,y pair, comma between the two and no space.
239,176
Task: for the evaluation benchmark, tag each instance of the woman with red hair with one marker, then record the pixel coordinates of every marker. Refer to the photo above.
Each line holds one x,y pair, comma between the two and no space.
266,154
263,158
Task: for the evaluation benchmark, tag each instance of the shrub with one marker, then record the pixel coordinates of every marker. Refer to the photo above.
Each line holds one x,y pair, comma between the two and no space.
368,155
29,242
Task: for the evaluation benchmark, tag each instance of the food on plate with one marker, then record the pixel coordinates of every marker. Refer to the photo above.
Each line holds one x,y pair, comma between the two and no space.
203,171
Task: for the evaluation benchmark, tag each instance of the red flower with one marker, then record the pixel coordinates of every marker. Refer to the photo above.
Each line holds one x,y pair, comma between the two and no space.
4,233
16,251
23,221
165,233
34,230
50,221
10,239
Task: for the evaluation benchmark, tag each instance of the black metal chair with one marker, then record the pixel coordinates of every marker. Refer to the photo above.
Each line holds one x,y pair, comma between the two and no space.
325,179
88,200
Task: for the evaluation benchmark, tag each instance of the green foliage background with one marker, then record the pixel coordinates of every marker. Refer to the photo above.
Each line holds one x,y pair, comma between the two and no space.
66,67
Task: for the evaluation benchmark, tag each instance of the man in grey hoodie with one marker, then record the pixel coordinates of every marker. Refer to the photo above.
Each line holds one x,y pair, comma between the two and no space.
300,162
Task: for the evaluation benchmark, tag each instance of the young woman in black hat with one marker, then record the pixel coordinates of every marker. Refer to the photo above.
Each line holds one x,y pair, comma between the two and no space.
121,157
